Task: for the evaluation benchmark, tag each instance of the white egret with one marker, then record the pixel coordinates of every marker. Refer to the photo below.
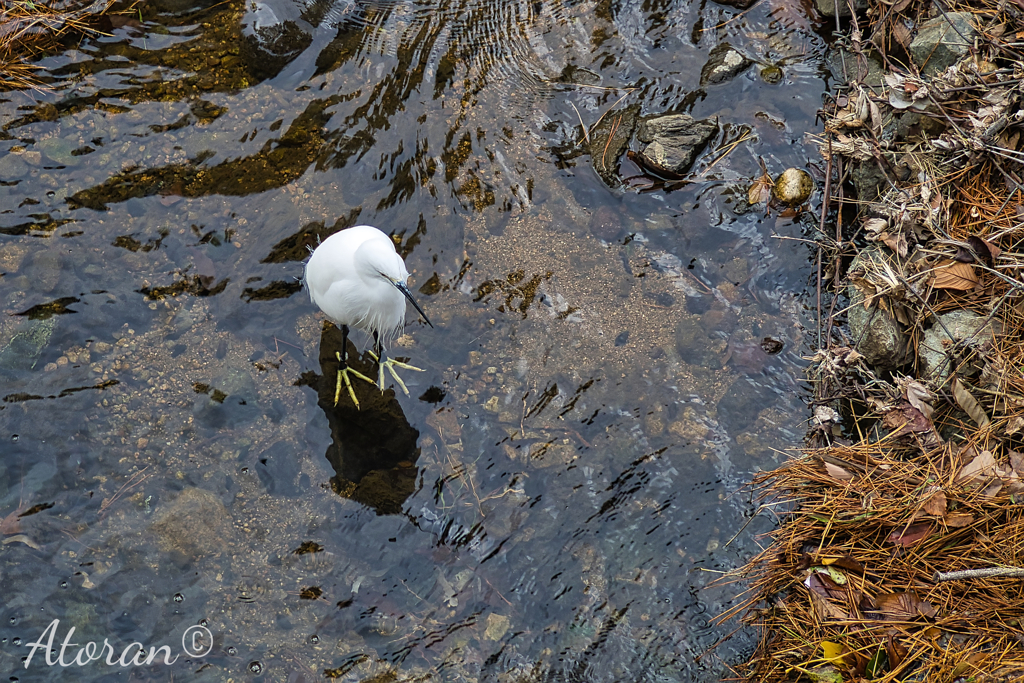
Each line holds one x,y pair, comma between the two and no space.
358,280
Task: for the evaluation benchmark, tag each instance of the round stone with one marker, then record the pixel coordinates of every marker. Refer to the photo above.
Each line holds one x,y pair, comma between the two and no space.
793,187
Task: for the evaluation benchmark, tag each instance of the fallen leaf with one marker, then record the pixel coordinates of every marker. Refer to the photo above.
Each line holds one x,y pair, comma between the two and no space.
22,538
912,534
896,651
846,562
826,609
982,467
958,520
821,584
761,189
904,419
833,573
918,396
1014,425
985,251
935,504
969,404
903,606
875,225
898,243
832,652
1017,462
955,275
992,489
837,472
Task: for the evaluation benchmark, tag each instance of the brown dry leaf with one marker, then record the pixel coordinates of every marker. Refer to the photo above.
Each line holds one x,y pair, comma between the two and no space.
903,606
904,419
874,226
826,610
986,251
958,520
823,590
760,191
897,242
837,472
11,524
1017,462
955,275
897,652
969,404
906,536
901,33
1014,425
981,468
918,396
992,489
935,504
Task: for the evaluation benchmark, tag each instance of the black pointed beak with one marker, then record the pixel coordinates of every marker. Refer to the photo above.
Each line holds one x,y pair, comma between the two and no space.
408,295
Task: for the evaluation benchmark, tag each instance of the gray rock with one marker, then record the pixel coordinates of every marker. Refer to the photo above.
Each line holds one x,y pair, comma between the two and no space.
673,142
827,8
868,180
964,326
876,334
940,43
846,67
724,62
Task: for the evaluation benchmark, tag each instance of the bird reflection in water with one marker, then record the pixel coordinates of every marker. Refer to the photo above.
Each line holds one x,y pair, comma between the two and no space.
373,447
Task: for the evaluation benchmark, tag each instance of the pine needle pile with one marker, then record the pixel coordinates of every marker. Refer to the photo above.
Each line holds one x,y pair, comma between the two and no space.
900,550
29,28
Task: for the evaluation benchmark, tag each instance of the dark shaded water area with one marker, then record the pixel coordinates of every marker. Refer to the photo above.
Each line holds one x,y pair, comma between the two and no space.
564,481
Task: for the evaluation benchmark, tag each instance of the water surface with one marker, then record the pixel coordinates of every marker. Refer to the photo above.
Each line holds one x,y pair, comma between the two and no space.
564,481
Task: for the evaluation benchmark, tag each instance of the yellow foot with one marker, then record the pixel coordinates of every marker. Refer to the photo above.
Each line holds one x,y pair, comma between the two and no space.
343,374
391,364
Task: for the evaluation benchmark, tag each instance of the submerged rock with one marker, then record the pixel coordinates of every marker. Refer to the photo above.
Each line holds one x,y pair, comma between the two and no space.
270,40
26,344
194,524
724,62
609,139
674,141
964,326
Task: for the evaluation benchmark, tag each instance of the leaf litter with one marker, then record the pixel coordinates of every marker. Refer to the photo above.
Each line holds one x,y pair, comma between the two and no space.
900,550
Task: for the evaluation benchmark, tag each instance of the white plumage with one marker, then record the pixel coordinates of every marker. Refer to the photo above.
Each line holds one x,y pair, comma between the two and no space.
352,277
358,280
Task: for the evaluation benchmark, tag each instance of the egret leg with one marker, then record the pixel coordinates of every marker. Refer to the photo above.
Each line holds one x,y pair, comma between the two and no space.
344,370
389,363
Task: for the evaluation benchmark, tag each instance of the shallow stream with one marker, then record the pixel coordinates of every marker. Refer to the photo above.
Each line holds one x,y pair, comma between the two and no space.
612,357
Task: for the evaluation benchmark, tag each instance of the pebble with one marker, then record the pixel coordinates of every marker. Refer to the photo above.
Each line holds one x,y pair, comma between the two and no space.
793,187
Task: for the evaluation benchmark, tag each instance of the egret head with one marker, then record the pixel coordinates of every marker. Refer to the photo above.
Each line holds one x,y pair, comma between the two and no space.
378,260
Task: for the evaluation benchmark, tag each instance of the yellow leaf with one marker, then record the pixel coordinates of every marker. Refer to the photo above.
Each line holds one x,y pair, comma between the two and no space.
832,652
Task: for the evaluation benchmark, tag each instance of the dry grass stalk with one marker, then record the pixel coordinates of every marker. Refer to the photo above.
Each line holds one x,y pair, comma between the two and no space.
28,28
